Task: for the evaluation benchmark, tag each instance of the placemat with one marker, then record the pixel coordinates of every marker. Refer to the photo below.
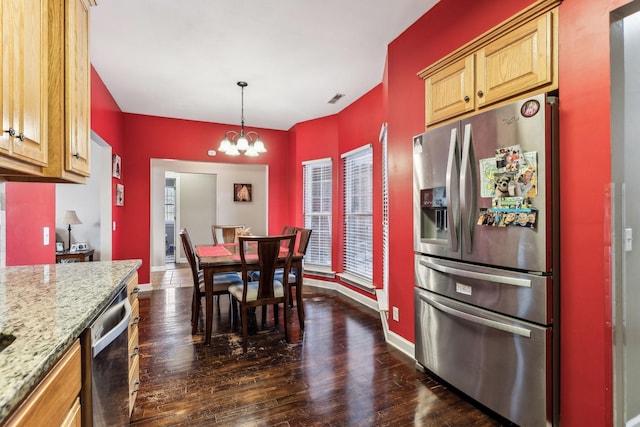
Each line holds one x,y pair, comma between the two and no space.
212,251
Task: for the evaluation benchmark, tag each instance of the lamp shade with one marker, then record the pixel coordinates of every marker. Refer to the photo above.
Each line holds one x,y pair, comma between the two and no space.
70,217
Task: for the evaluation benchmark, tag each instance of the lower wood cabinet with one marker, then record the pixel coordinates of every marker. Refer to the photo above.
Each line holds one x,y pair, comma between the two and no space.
134,358
55,401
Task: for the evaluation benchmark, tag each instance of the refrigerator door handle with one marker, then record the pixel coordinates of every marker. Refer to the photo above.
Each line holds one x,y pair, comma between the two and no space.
476,275
466,206
516,330
451,173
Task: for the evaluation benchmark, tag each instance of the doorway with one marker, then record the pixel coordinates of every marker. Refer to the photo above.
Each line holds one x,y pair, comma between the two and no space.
625,197
193,209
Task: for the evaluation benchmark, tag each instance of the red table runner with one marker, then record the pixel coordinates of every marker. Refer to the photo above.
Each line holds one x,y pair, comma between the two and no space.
212,251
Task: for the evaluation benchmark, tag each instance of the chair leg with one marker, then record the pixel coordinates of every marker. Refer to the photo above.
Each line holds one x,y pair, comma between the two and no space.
276,315
264,316
290,295
195,314
245,327
286,322
234,317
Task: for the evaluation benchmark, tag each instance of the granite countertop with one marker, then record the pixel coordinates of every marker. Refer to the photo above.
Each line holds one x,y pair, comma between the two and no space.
46,307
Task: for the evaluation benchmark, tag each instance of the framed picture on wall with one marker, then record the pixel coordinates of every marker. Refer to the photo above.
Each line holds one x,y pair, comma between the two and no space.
116,166
242,193
119,195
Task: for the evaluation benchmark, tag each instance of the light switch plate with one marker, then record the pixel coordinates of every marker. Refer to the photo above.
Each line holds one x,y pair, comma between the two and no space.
45,236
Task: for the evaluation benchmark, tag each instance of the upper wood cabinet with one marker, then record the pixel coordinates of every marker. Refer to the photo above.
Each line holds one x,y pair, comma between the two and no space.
24,58
69,92
515,63
45,90
515,58
449,92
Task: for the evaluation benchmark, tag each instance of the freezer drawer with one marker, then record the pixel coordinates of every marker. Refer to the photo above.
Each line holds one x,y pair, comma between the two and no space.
502,363
521,295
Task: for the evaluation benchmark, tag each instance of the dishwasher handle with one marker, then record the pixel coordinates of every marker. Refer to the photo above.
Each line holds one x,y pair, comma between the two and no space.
110,336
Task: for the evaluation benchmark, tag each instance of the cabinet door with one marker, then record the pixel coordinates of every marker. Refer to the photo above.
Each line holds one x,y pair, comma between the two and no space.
515,63
449,92
77,87
24,80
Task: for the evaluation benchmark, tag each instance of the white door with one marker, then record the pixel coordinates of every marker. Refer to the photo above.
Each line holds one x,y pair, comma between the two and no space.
625,149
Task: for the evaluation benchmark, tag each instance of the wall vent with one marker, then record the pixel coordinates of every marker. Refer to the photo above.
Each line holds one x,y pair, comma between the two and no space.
336,98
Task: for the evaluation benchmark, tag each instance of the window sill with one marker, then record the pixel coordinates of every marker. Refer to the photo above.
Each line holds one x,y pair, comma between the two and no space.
358,282
318,270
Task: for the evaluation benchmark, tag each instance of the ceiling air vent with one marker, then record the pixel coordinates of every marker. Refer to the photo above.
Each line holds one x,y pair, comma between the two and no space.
336,98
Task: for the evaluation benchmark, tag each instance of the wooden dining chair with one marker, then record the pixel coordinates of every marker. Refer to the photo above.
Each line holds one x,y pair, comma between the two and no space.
273,252
295,277
228,233
221,282
288,229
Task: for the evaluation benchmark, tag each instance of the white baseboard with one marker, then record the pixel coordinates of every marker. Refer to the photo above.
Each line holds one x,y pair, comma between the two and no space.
633,422
402,344
145,287
356,296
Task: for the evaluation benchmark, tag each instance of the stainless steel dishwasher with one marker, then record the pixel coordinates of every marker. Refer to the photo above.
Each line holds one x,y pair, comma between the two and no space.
107,365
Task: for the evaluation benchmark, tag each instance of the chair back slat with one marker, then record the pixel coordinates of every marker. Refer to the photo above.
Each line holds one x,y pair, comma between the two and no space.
270,258
187,246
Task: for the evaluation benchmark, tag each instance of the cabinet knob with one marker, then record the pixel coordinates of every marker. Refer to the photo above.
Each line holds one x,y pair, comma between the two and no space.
11,132
77,155
466,98
21,136
480,94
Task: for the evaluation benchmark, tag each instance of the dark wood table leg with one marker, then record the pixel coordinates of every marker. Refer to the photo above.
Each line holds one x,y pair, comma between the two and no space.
208,302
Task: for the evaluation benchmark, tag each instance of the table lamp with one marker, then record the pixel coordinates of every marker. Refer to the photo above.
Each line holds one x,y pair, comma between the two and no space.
70,217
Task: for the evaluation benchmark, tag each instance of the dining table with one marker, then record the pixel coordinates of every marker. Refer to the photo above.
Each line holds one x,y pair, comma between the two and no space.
225,258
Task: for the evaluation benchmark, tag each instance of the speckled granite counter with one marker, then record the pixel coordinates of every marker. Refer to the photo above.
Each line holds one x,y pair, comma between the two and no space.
46,307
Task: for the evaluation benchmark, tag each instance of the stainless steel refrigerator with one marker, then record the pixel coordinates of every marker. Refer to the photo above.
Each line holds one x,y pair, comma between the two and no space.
486,257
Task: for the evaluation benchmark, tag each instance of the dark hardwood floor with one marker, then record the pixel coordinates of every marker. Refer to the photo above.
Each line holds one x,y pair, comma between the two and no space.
340,372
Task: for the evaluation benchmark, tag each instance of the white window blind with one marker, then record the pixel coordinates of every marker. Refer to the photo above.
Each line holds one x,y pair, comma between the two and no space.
358,212
385,209
317,177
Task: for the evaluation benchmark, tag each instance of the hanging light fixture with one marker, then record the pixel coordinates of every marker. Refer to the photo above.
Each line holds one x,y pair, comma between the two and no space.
248,142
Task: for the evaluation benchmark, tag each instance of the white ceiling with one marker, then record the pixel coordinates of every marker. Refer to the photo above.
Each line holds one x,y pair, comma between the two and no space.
182,59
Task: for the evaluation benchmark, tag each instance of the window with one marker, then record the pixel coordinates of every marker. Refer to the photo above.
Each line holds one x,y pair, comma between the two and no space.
385,209
317,212
358,213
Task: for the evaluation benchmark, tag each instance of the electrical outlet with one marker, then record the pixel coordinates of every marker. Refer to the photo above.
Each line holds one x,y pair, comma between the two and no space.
396,314
45,236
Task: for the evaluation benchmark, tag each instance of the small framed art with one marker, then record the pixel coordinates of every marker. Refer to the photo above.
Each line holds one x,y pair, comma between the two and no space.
119,195
117,165
242,193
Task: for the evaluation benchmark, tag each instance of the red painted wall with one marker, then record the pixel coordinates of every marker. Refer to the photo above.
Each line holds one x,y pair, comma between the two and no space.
586,376
107,121
30,208
150,137
357,125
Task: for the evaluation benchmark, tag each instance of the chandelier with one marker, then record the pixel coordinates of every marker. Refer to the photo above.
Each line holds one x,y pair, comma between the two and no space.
247,142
